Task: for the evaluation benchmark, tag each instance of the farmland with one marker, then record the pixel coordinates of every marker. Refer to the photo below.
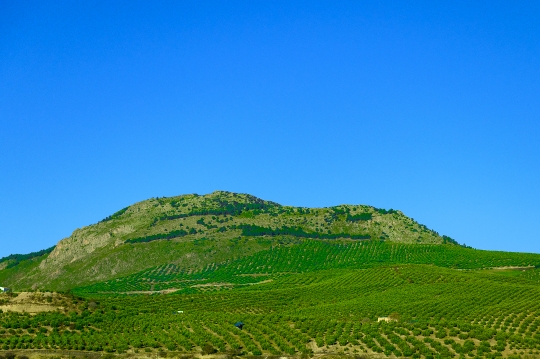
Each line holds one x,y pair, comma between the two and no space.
172,277
307,298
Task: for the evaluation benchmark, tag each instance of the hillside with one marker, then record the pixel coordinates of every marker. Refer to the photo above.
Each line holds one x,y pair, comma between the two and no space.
162,231
432,312
174,277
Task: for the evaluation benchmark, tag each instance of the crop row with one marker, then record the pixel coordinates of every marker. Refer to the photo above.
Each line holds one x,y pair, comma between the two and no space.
438,313
316,255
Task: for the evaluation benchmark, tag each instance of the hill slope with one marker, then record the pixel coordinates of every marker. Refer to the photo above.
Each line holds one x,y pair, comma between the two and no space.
345,280
436,313
162,231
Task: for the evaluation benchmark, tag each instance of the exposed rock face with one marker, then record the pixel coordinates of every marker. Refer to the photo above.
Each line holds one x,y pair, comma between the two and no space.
78,245
83,242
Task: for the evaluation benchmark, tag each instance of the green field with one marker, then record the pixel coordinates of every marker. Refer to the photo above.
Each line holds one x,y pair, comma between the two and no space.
306,256
172,276
307,298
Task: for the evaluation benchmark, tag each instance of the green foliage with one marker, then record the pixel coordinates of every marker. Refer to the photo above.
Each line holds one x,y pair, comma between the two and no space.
309,255
208,349
15,259
254,230
171,235
224,209
366,216
298,279
114,215
219,217
432,305
384,211
449,240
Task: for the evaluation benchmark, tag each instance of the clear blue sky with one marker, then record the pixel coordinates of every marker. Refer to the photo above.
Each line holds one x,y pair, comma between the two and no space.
429,107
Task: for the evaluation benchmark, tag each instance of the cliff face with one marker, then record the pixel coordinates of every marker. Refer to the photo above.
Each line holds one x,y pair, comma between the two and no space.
81,243
84,242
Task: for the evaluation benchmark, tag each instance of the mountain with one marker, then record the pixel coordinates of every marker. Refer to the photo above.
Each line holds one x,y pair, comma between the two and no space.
163,231
233,275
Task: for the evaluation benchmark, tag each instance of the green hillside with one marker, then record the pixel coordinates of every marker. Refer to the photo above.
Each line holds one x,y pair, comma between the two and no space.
171,277
307,256
170,230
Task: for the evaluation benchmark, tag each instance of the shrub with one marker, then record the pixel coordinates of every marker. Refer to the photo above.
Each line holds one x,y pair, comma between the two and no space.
208,349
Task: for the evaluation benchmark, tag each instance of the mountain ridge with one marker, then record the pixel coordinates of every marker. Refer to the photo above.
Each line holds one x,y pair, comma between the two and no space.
104,250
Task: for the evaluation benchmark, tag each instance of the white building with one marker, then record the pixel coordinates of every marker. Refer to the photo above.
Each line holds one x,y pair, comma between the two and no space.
4,290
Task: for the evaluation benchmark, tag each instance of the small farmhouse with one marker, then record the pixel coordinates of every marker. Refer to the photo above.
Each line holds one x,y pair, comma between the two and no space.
386,319
4,290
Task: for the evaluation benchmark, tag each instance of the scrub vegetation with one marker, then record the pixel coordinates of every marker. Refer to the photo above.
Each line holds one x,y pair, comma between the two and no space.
175,277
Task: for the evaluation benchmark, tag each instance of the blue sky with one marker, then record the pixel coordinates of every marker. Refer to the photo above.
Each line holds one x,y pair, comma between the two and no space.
427,107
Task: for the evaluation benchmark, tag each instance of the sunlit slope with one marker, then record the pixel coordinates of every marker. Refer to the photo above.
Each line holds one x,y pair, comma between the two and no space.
306,256
440,313
163,231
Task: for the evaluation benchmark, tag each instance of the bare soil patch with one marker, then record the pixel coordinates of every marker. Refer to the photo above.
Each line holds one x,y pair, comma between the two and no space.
32,302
